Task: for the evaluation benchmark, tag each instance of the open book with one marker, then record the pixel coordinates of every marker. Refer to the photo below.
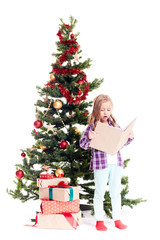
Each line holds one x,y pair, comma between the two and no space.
110,139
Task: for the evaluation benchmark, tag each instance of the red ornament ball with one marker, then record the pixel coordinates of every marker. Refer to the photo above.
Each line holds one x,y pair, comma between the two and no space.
19,174
72,36
79,92
63,144
37,124
23,154
80,82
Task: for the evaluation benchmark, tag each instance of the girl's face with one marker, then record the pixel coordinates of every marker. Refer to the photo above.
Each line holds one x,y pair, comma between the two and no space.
105,111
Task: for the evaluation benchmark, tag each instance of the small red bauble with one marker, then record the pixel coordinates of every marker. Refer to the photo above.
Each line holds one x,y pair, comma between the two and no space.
37,124
23,154
85,114
63,144
80,82
79,92
19,174
72,36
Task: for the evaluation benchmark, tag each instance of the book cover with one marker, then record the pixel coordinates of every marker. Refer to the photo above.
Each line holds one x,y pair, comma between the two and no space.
110,139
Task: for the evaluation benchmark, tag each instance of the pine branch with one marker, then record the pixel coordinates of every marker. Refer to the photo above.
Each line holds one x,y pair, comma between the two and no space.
95,84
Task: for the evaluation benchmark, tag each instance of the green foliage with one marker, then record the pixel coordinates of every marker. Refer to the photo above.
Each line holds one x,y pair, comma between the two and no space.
95,84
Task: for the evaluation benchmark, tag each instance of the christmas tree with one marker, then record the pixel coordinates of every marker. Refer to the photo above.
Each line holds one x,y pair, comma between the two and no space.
62,106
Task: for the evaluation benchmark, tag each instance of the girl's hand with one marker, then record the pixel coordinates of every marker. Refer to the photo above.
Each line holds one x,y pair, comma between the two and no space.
131,135
92,134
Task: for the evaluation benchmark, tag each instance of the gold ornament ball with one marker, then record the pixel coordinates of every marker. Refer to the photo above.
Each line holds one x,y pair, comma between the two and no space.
59,172
76,130
57,104
52,77
43,147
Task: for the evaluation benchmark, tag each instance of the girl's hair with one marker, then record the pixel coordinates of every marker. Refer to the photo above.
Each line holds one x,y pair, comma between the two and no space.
95,115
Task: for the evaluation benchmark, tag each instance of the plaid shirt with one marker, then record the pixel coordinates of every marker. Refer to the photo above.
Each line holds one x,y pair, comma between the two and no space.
98,158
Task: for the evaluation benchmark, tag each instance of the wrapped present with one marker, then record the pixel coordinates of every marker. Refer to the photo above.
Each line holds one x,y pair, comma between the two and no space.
54,207
61,192
59,221
47,176
47,182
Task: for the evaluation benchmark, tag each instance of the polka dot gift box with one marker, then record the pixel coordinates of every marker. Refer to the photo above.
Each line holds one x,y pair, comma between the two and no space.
55,207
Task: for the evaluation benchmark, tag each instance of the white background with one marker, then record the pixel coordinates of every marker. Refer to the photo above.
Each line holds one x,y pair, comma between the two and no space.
122,39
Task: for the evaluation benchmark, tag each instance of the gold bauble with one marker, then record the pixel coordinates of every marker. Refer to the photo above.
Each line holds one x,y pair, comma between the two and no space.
57,104
76,130
43,147
52,77
59,172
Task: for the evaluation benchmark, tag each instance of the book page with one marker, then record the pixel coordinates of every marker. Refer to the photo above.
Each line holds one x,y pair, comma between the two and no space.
125,134
110,139
107,139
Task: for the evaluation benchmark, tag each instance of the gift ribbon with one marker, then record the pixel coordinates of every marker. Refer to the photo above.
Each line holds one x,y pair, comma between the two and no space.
71,220
34,225
61,184
68,217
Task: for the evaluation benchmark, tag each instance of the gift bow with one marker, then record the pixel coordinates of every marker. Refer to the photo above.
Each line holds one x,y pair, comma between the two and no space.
60,184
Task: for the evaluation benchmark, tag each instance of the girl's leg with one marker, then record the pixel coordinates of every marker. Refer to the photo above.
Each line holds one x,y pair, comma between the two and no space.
100,179
115,173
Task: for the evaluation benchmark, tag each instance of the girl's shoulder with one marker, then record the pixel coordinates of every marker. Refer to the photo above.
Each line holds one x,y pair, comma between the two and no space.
111,124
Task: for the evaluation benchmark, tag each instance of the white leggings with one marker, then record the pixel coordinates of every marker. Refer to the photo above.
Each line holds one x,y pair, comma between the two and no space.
112,174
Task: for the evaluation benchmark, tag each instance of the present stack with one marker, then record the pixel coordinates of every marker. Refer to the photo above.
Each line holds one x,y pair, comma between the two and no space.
60,204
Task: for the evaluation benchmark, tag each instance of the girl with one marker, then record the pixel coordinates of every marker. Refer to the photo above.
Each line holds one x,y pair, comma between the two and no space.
106,167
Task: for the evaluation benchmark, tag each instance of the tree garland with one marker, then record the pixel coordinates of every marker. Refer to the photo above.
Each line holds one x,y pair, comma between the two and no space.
81,95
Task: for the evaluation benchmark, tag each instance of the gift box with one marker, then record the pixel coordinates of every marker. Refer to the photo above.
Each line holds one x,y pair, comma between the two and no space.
47,176
48,182
54,207
59,193
59,221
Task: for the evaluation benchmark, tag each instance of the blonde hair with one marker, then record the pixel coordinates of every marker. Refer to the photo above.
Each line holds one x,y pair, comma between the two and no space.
95,115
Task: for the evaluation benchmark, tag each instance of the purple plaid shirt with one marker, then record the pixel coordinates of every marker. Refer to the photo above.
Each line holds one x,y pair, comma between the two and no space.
98,158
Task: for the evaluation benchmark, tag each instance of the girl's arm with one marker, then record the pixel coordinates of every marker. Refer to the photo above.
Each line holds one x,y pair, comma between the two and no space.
129,141
130,137
85,141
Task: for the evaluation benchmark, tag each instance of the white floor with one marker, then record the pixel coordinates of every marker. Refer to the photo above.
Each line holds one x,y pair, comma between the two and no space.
141,223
